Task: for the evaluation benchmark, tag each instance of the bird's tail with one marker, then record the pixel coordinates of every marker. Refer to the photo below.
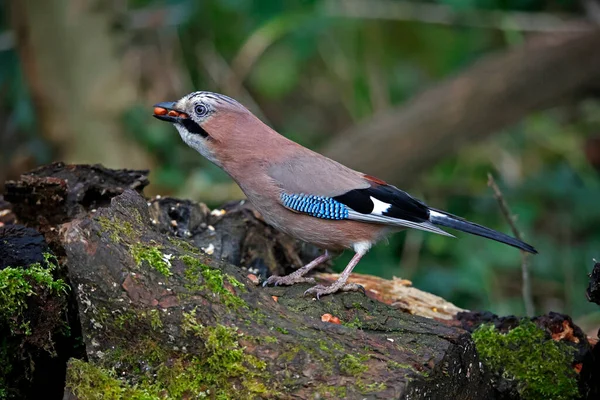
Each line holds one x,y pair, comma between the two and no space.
441,218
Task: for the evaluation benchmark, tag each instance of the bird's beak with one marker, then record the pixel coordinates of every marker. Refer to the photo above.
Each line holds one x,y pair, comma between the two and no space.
166,111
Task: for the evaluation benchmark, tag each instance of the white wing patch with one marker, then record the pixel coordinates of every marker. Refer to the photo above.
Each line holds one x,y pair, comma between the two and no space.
379,207
433,213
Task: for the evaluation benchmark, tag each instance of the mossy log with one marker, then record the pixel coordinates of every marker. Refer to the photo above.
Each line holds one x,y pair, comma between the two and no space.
153,300
165,311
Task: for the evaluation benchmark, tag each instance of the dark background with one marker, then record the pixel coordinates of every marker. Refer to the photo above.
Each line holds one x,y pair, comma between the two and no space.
431,96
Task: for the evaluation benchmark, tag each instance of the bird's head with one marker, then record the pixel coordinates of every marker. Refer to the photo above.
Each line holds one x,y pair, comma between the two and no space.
204,120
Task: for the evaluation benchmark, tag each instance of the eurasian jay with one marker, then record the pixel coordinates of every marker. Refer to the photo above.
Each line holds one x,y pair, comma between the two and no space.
304,193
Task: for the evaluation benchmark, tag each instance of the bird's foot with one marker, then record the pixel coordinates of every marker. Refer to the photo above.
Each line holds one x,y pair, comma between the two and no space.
287,280
337,286
298,275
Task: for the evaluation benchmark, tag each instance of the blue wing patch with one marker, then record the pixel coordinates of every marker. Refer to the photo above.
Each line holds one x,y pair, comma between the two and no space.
315,206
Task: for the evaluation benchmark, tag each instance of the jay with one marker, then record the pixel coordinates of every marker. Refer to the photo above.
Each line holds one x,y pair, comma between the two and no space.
303,193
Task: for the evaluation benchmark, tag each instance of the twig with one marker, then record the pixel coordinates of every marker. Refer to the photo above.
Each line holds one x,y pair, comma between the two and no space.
410,253
526,288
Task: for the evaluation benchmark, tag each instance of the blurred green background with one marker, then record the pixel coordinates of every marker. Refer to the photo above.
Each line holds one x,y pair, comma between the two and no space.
78,79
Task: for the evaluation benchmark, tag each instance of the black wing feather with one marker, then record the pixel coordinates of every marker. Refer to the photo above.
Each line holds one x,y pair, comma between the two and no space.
357,199
402,205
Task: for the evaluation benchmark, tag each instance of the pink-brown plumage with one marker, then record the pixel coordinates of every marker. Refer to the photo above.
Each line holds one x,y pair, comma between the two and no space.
267,167
265,163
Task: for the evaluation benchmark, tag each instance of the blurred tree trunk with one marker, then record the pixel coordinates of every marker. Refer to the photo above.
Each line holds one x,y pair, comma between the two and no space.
70,57
496,92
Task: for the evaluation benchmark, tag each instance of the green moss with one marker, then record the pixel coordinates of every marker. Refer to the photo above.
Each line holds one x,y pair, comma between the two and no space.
155,321
352,365
366,388
184,245
289,354
267,339
223,363
153,255
123,321
226,355
392,365
213,279
257,316
222,344
330,391
282,330
18,284
540,366
88,381
139,358
355,323
235,283
137,216
148,371
116,230
359,306
189,323
323,346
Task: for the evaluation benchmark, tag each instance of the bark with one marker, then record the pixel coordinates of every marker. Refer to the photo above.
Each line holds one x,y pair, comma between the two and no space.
160,306
593,290
495,93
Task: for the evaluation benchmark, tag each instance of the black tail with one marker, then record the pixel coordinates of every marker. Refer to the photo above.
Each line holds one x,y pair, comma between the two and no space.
442,218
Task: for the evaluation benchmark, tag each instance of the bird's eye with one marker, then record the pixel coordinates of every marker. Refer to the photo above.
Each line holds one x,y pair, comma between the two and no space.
201,110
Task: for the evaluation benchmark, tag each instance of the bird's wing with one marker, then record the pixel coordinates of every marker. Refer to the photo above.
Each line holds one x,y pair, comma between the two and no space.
386,204
313,174
323,188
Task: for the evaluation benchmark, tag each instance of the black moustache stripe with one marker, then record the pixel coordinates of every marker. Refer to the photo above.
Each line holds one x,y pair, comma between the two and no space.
193,127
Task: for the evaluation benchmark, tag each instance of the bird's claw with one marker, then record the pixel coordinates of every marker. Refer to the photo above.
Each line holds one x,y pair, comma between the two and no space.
321,290
317,290
287,280
355,287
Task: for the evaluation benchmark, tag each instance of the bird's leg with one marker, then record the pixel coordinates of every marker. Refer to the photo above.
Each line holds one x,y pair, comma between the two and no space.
340,284
298,275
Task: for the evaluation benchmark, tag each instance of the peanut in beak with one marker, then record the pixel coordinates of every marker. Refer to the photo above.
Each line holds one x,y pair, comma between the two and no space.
170,113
